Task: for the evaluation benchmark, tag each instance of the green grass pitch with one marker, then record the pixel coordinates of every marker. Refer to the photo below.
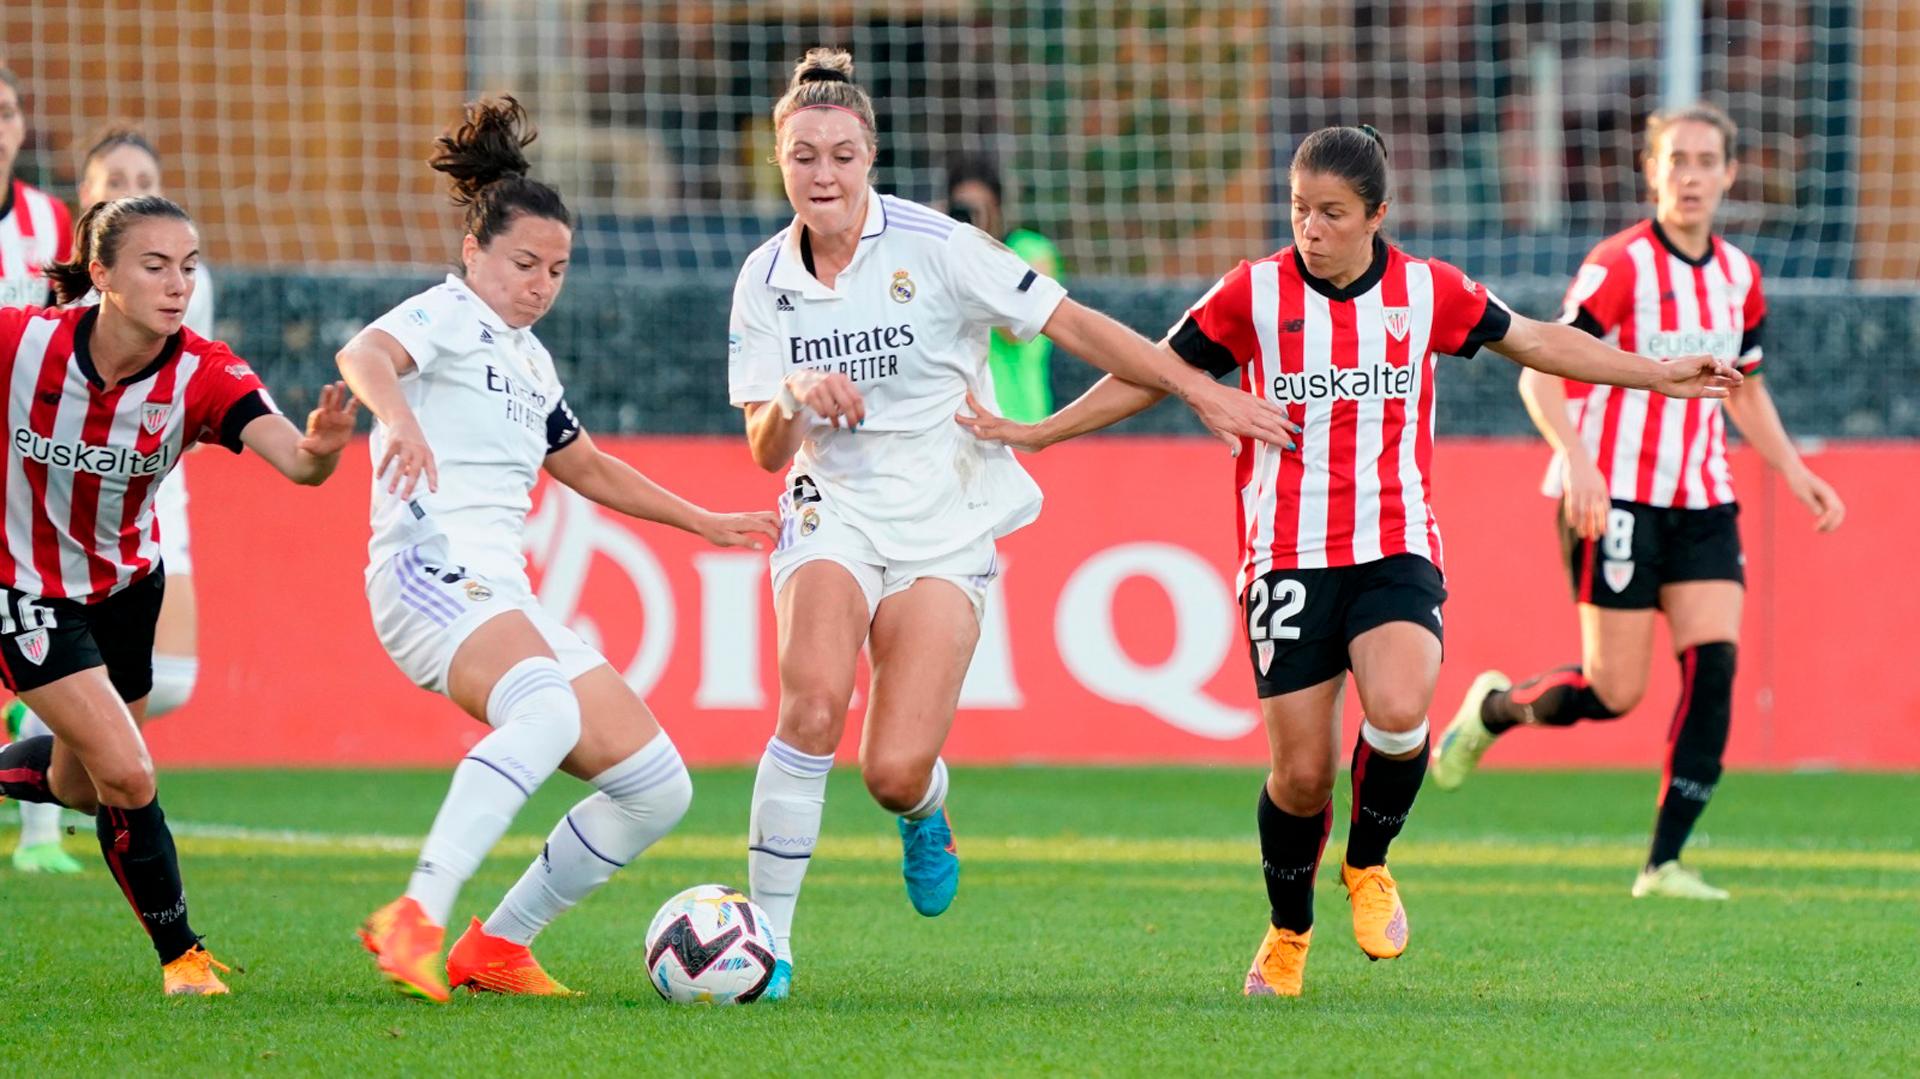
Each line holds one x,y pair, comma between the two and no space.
1105,920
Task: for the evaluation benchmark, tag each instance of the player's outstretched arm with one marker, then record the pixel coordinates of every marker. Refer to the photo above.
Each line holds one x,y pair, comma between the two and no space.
1559,349
311,457
1751,407
617,485
372,364
1230,414
1106,403
1587,500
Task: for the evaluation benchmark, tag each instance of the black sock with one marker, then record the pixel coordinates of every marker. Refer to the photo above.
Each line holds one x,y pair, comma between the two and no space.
23,770
1290,849
1560,697
139,850
1698,739
1383,793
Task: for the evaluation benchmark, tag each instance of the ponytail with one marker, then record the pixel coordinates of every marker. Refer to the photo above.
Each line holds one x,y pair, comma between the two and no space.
484,158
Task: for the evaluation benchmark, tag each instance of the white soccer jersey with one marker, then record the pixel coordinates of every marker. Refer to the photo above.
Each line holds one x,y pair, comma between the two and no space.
909,322
35,232
489,402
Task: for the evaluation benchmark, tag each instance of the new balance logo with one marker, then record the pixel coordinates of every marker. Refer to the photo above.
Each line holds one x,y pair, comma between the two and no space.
783,304
1293,325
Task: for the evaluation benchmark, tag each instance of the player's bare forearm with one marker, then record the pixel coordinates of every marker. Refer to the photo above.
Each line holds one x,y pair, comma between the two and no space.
276,440
1751,408
1110,346
1546,401
606,480
772,438
1556,349
371,364
1106,403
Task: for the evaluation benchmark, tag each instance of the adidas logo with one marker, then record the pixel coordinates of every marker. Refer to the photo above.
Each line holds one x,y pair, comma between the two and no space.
486,336
783,304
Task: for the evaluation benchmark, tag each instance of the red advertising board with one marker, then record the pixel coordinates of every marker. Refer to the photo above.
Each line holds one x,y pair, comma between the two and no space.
1112,636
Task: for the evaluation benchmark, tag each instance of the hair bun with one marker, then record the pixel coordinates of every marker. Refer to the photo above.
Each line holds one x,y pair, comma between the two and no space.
822,74
1375,136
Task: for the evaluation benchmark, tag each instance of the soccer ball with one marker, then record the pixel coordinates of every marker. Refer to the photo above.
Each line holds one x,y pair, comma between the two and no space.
710,945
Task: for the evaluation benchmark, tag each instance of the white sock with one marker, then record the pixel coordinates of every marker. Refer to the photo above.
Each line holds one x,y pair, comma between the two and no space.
789,794
639,800
536,721
39,821
173,679
936,795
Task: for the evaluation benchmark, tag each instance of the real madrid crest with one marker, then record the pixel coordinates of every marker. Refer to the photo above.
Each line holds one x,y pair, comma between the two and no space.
810,517
902,288
478,592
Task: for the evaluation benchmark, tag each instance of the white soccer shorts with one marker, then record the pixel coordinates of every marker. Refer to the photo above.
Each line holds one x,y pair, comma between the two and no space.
812,532
424,609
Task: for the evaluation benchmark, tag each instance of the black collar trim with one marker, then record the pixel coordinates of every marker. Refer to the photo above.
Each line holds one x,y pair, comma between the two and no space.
6,204
1667,242
83,355
1358,287
806,252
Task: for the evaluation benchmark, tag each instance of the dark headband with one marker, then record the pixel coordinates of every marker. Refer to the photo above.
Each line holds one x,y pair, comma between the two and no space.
823,74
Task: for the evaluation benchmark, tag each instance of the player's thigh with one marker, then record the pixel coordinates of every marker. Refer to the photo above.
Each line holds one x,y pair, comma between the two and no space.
922,643
178,631
493,648
1700,612
615,723
124,627
1395,667
1616,647
822,613
1303,734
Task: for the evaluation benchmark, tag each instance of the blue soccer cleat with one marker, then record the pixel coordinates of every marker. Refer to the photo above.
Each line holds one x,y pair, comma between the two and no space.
781,984
929,863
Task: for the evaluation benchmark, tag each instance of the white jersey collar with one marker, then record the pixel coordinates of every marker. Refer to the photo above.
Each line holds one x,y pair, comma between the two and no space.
789,270
460,283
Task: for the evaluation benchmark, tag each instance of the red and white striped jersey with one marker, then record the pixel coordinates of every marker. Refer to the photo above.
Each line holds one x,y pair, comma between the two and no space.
83,461
1638,292
1354,367
35,230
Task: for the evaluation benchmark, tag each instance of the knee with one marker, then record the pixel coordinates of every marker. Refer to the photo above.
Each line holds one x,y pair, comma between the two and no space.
128,785
1619,690
1302,788
811,718
897,784
670,800
1398,712
536,693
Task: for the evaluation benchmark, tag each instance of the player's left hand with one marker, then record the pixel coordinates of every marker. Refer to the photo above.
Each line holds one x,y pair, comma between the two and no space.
330,426
1233,414
1818,496
756,530
1697,376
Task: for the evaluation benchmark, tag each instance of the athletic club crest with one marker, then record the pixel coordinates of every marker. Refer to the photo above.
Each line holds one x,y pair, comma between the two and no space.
1264,650
1617,574
33,645
154,417
1397,320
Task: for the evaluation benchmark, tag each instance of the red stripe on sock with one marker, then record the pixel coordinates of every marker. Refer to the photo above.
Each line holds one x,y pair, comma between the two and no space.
118,820
1688,661
1359,775
23,775
1523,696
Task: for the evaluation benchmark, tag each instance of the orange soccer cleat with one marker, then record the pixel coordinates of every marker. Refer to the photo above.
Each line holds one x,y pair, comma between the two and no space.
489,964
1280,964
1379,921
192,975
407,945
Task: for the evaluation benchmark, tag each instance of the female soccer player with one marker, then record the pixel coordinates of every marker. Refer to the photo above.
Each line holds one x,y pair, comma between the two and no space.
35,231
469,409
1341,566
104,399
122,163
1647,515
856,333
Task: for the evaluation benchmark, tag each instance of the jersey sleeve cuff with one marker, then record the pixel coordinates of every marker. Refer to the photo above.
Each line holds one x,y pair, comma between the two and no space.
742,396
1044,296
1494,323
1192,344
242,412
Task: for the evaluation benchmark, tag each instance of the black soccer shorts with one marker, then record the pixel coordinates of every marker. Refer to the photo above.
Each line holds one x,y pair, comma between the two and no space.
45,640
1645,547
1300,622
